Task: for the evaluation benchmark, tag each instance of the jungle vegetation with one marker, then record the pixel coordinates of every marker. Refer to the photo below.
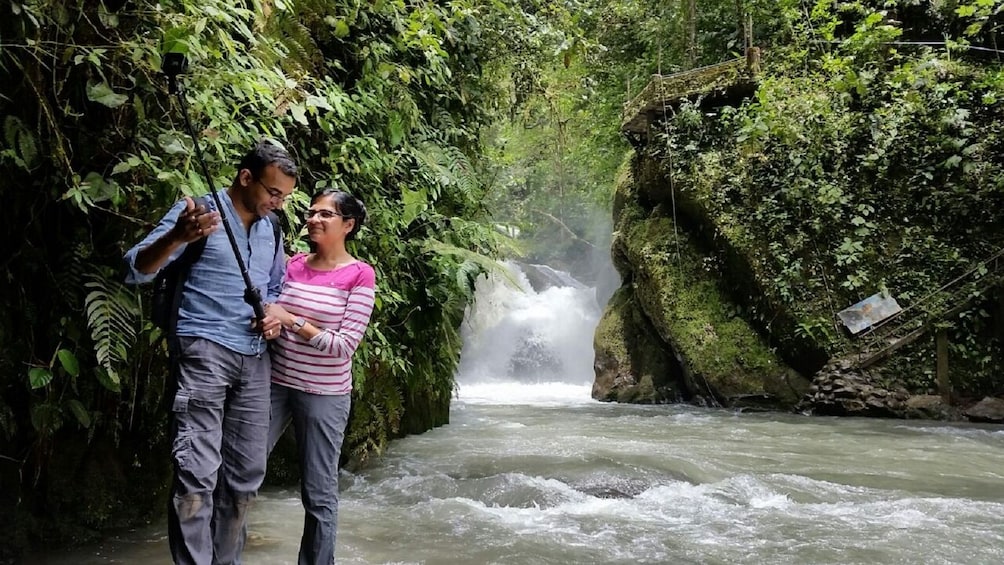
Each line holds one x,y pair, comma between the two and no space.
446,118
387,99
868,160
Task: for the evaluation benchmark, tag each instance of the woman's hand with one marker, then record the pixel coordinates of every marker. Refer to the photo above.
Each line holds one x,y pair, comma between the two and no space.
279,313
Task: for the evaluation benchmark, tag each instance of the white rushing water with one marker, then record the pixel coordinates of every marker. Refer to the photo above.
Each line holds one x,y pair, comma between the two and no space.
530,470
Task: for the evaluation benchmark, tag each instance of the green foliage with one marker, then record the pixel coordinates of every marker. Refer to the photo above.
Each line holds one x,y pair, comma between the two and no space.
857,170
111,314
388,100
557,158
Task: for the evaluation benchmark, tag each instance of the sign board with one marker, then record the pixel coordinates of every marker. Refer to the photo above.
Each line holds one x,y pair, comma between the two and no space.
869,312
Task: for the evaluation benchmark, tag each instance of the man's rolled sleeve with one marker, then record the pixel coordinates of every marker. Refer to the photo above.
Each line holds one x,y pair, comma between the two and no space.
166,224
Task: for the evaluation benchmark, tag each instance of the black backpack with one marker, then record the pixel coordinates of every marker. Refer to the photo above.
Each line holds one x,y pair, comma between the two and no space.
170,281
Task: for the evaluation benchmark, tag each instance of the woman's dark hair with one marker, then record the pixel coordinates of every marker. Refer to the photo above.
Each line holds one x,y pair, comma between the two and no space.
347,205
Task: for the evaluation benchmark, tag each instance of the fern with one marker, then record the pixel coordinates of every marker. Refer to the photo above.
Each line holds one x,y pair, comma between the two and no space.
112,310
303,52
448,166
471,260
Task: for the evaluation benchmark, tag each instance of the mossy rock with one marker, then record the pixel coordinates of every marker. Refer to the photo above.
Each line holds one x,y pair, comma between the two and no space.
631,364
724,355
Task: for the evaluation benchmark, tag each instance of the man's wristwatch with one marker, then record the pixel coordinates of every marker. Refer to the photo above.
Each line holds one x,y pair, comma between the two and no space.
297,325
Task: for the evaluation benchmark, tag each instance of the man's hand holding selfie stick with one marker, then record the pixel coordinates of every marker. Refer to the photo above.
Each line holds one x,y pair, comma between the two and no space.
196,222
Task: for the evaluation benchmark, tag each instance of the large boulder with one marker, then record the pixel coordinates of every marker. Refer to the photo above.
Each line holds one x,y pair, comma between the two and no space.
987,410
631,363
676,286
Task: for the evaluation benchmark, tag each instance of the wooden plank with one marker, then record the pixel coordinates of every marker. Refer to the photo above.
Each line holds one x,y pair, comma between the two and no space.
919,332
889,349
944,382
664,91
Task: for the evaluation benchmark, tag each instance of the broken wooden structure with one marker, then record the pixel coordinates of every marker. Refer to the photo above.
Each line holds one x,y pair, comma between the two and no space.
714,86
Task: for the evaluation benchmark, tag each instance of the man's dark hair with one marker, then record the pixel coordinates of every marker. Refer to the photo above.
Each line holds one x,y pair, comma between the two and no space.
266,153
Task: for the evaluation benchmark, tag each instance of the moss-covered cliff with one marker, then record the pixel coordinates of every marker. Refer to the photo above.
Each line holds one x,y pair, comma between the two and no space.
672,332
741,231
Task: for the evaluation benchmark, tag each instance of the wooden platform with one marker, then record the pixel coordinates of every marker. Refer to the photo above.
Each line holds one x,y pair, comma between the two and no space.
722,84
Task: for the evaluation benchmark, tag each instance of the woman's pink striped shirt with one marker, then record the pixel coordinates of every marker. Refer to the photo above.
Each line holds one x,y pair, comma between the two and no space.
340,303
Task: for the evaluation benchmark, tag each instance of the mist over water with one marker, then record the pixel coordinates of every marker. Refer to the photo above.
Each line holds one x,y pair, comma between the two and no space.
530,470
515,334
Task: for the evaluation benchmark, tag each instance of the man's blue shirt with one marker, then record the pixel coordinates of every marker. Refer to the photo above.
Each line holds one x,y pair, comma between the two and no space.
212,302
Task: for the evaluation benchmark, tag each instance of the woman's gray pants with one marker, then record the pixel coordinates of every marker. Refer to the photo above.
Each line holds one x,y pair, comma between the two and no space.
319,427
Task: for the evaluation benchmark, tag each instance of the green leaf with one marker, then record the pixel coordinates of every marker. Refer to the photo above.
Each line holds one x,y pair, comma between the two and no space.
318,102
104,95
108,19
171,144
80,412
69,362
39,377
299,113
95,188
395,129
121,167
46,418
415,202
176,41
341,29
109,379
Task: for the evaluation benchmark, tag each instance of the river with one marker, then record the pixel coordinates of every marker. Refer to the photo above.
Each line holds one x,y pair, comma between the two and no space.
530,470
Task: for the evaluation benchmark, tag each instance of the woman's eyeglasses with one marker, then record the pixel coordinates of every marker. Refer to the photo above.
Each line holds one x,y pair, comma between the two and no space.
323,214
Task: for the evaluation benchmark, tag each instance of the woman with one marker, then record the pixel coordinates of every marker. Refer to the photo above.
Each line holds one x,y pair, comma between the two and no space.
324,308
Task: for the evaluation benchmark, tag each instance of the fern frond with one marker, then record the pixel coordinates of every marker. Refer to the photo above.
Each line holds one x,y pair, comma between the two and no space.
447,166
474,260
303,51
112,311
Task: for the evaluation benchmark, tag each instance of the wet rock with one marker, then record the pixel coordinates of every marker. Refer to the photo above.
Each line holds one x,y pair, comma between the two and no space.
930,407
629,363
839,389
987,410
755,403
626,488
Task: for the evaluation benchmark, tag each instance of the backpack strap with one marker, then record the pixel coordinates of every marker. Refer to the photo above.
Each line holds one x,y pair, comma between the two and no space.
182,265
276,231
193,252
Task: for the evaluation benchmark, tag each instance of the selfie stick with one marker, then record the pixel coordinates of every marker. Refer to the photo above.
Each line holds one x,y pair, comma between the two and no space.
174,64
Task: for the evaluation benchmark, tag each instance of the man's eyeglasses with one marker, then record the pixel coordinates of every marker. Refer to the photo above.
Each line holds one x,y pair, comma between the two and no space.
323,214
274,194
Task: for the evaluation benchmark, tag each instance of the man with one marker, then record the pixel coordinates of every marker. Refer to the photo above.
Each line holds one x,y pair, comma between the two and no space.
220,409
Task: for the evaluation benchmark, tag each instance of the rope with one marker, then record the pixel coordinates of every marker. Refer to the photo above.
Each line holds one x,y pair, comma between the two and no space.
927,43
672,199
669,159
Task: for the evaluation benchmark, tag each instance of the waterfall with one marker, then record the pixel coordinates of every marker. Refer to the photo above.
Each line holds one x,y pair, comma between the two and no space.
515,335
542,277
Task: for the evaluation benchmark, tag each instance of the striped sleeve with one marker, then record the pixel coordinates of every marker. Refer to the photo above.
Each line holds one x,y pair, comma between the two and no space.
358,308
339,303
